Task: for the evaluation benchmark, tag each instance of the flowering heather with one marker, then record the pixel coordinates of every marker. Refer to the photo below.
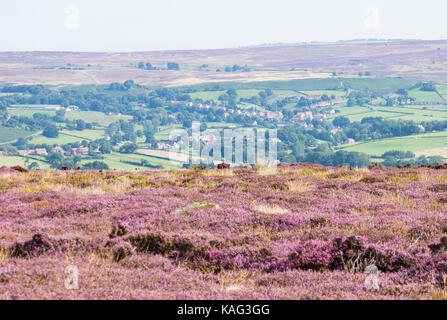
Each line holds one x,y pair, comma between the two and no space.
305,232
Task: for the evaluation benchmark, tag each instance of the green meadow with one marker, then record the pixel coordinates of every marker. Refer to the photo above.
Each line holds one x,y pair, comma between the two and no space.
412,143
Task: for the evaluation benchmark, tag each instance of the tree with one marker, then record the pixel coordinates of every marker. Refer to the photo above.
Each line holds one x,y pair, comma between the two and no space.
105,147
129,84
33,166
128,148
428,86
21,142
298,150
80,125
51,131
341,121
173,66
95,165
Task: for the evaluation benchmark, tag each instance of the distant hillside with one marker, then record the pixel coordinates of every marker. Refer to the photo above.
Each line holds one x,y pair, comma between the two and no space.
411,59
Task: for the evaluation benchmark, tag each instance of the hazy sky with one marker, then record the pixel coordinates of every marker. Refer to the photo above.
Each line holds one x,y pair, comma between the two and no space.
138,25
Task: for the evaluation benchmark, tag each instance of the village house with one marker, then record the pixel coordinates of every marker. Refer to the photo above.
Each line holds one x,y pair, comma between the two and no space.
319,117
302,116
58,149
336,130
350,141
25,152
376,102
41,152
81,151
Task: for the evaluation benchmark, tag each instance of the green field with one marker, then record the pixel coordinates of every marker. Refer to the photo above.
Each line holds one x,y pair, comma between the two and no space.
412,112
84,134
60,140
87,116
10,161
337,93
379,85
412,143
214,95
94,116
282,94
30,112
66,136
113,161
420,95
442,89
11,134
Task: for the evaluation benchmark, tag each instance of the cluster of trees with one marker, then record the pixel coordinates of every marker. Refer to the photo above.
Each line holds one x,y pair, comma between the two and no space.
145,65
173,66
392,162
298,145
235,68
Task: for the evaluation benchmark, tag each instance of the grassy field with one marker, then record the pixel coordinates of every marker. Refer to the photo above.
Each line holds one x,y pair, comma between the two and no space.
11,134
442,89
413,112
94,116
214,95
420,95
113,160
379,85
87,116
337,93
30,112
412,143
60,140
84,134
10,161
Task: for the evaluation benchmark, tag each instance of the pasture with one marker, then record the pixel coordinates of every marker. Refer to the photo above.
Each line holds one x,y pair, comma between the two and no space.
94,116
409,112
414,143
12,134
420,95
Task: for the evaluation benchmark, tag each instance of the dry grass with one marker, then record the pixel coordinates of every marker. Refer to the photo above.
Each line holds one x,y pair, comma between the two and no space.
299,186
269,209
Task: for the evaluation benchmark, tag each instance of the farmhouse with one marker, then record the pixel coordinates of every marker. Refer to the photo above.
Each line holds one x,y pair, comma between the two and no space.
25,152
81,151
301,116
41,151
58,149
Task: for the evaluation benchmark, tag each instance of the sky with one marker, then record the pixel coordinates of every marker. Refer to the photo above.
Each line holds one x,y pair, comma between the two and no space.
145,25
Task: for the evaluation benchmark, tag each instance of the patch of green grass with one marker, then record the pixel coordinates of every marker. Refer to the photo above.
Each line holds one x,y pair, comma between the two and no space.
30,112
379,85
84,134
408,143
11,134
420,95
214,95
94,116
10,161
60,140
337,93
164,131
113,160
414,113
